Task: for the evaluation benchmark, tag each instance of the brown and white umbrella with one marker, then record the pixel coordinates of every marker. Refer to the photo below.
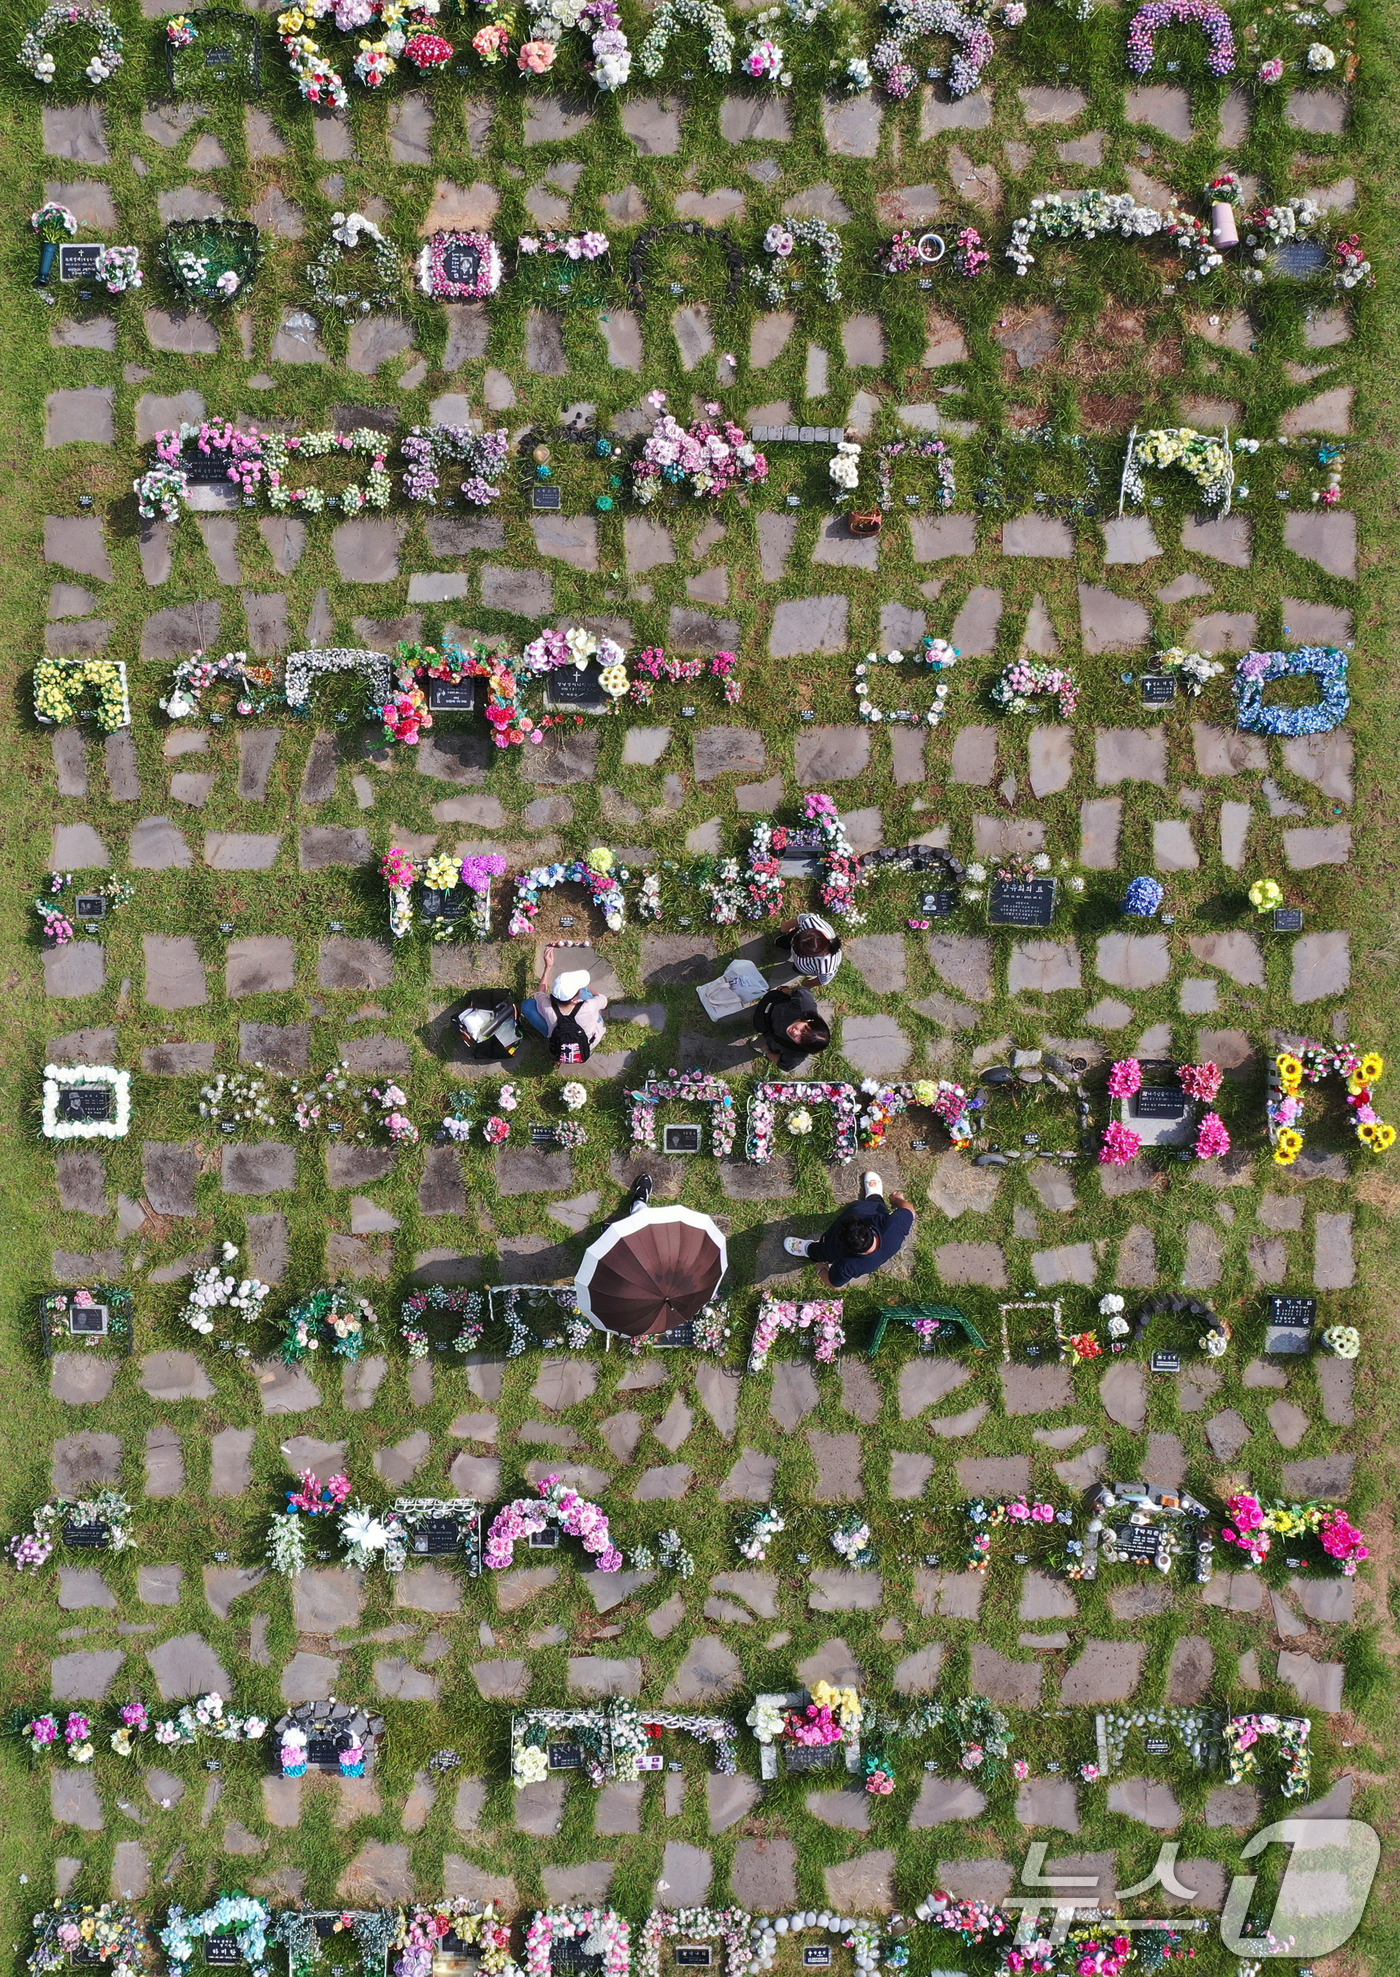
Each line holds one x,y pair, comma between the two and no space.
651,1270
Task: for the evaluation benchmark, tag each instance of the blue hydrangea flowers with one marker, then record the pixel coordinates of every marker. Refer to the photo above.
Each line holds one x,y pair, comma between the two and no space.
1257,669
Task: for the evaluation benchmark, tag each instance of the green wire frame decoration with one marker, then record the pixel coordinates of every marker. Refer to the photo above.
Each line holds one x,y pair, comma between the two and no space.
913,1314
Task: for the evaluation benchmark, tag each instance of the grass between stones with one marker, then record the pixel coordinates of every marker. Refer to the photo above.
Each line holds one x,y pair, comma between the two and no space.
1100,346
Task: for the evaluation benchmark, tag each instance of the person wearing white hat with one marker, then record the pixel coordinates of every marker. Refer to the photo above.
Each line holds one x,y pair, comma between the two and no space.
567,1013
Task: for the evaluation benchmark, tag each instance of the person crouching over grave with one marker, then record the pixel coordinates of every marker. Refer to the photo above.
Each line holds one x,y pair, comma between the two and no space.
862,1239
813,946
789,1027
569,1016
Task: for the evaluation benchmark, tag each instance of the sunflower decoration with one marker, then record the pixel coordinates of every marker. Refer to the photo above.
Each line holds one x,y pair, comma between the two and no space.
1290,1073
1287,1147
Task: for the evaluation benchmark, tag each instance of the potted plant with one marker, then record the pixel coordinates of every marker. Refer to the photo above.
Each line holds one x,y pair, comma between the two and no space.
53,223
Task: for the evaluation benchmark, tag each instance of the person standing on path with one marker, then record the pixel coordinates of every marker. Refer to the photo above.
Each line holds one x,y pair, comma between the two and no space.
862,1239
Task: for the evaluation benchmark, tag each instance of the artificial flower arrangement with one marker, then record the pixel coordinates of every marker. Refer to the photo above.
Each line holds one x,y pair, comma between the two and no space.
1086,215
1256,1521
197,675
1196,1322
380,290
949,1103
1194,669
550,20
729,1927
242,1918
934,652
464,1309
1342,1341
756,1532
557,1504
580,648
1242,1740
913,20
331,1736
1024,1514
62,1315
598,1932
301,671
306,1933
710,457
979,1732
651,668
431,450
554,268
70,1930
608,1740
280,453
406,31
773,278
1204,457
1256,670
58,926
61,687
423,1932
599,872
851,1541
66,1118
106,1514
407,713
1207,15
768,1094
858,1934
334,1316
441,876
63,18
830,1721
286,1540
1020,682
688,1087
1200,1082
411,1527
213,259
821,1316
673,15
459,267
216,1289
1312,1063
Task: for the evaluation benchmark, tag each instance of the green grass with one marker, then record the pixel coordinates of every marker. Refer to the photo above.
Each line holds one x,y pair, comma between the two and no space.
1148,367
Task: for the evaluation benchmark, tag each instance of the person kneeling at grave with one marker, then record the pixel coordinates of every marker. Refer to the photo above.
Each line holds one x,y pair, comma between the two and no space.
789,1026
864,1237
569,1016
813,946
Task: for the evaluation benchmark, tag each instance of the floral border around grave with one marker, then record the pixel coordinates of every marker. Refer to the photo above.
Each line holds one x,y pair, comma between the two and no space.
59,685
333,1315
116,1935
34,48
303,669
1208,461
243,1918
193,678
1207,15
54,1307
914,19
473,1923
780,242
947,1101
373,1929
442,874
983,1515
1257,1520
1086,215
1257,669
728,1926
468,1305
710,456
1312,1062
428,448
603,1931
220,262
57,926
91,1075
860,1934
557,1504
673,15
407,715
1022,680
347,232
329,1718
768,1094
935,652
32,1549
1242,1735
651,662
596,872
366,1535
697,1087
280,452
431,265
821,1316
593,1730
832,1714
981,1731
182,31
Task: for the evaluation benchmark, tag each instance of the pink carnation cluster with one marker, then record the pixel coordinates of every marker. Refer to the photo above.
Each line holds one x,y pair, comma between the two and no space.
1121,1145
319,1499
1201,1081
1125,1078
1212,1139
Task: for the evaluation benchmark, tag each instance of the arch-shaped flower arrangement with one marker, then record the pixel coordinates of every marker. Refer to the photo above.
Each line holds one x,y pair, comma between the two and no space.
673,15
1211,18
780,242
303,669
913,19
575,1516
327,268
604,885
242,1917
1257,669
1208,460
34,49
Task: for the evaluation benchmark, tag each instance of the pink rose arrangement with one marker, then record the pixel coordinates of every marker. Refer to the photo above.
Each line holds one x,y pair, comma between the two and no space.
813,1727
576,1517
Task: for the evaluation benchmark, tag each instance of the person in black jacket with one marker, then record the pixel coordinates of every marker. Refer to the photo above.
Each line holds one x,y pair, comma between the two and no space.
868,1234
790,1027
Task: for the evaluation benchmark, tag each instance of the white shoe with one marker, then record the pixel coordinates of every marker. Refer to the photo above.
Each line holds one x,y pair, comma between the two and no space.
871,1184
797,1245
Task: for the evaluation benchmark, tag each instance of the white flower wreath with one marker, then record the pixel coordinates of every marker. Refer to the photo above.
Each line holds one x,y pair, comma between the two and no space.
670,17
34,49
781,241
348,232
303,669
89,1076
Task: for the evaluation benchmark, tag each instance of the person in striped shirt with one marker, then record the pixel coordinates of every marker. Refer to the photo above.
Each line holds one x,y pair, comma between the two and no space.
813,946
